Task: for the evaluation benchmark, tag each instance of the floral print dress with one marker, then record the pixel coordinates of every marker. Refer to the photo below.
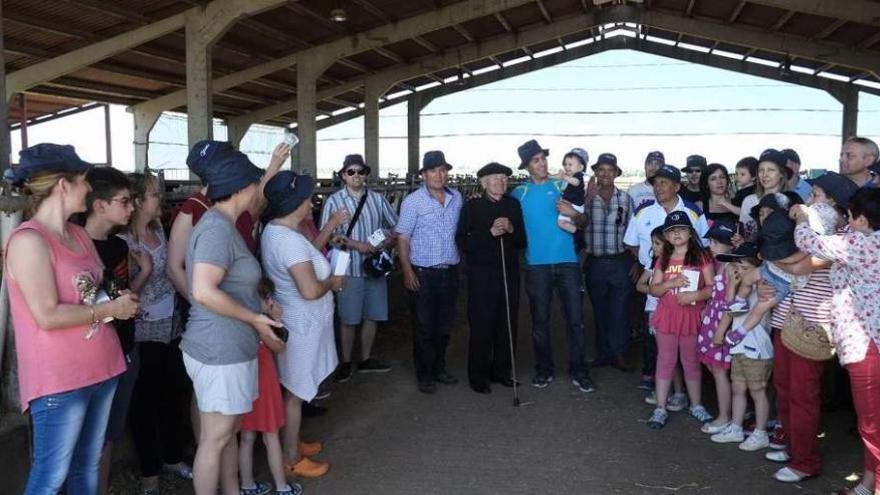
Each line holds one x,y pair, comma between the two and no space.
714,356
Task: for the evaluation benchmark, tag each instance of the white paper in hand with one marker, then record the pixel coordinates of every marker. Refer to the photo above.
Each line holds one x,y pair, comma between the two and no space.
340,260
693,278
376,238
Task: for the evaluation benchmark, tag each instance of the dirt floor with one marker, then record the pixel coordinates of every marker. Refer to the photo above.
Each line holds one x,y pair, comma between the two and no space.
382,436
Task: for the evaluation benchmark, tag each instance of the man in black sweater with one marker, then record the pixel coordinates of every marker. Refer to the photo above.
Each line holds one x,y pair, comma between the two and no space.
485,223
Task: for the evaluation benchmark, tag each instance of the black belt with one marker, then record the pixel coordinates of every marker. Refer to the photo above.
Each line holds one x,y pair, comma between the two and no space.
608,256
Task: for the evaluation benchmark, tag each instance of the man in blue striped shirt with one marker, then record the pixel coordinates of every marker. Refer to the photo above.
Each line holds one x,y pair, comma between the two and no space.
364,299
429,260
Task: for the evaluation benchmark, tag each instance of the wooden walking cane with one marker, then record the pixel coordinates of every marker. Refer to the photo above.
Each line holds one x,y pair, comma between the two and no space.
509,325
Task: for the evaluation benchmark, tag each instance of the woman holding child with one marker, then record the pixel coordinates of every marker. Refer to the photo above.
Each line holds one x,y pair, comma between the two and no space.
855,280
773,174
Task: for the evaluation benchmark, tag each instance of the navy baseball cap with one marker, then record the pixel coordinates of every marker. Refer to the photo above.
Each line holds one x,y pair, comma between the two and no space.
655,155
778,158
677,219
667,172
721,231
745,250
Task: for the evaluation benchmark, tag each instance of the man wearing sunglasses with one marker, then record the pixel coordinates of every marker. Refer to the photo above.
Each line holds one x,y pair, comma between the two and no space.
608,265
364,299
693,169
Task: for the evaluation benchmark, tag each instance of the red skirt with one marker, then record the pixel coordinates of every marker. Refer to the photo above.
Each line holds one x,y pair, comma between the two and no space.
267,414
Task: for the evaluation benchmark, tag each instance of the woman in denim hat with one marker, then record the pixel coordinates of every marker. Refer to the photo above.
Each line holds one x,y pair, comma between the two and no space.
68,359
225,322
304,285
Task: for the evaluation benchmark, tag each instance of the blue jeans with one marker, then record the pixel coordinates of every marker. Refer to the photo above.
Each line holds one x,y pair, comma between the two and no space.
610,287
782,286
540,282
68,437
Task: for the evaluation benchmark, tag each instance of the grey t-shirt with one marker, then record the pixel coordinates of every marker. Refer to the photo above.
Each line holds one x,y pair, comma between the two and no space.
211,338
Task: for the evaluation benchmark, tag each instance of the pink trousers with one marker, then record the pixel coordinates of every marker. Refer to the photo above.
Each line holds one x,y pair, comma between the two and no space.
671,349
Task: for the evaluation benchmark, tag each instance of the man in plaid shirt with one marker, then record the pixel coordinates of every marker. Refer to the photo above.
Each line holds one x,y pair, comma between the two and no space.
608,265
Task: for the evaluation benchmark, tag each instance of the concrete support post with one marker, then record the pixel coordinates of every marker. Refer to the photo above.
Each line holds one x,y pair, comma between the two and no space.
307,72
143,124
416,103
850,113
235,132
198,79
5,141
373,90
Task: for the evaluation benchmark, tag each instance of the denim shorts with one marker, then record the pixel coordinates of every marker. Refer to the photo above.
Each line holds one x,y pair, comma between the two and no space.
782,286
363,298
228,389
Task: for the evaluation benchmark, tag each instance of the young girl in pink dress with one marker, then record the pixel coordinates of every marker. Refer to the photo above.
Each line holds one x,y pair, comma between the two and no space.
680,281
713,351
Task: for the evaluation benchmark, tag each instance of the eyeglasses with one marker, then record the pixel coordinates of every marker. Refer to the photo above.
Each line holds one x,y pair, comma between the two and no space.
350,172
693,171
124,201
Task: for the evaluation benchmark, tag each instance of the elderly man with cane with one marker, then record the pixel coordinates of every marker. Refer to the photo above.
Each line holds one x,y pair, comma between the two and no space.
491,234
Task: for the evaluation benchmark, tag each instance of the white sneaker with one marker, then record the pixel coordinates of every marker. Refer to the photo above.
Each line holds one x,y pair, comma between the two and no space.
757,440
677,402
700,413
789,475
730,434
651,398
780,456
738,307
711,429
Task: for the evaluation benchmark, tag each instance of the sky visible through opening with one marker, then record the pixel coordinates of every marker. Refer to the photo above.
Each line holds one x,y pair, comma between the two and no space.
619,101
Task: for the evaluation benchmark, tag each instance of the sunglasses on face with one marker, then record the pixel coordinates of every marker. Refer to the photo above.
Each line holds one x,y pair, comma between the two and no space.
692,171
350,172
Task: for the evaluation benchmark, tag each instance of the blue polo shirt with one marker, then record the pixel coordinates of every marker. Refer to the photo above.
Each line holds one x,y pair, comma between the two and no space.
547,243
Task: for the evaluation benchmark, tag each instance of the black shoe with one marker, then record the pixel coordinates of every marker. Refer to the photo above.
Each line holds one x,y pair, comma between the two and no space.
310,410
620,363
584,384
446,378
427,387
601,363
505,382
373,365
343,373
481,388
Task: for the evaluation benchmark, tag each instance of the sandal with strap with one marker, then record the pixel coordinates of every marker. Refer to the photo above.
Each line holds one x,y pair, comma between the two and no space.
259,489
295,489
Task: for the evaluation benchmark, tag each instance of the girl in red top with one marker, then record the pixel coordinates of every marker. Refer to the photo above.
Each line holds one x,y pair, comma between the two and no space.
267,416
682,280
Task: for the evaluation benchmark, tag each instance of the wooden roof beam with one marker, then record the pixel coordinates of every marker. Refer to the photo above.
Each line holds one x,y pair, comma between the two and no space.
374,11
544,12
860,11
689,11
830,29
782,20
736,11
503,21
443,17
427,45
463,32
